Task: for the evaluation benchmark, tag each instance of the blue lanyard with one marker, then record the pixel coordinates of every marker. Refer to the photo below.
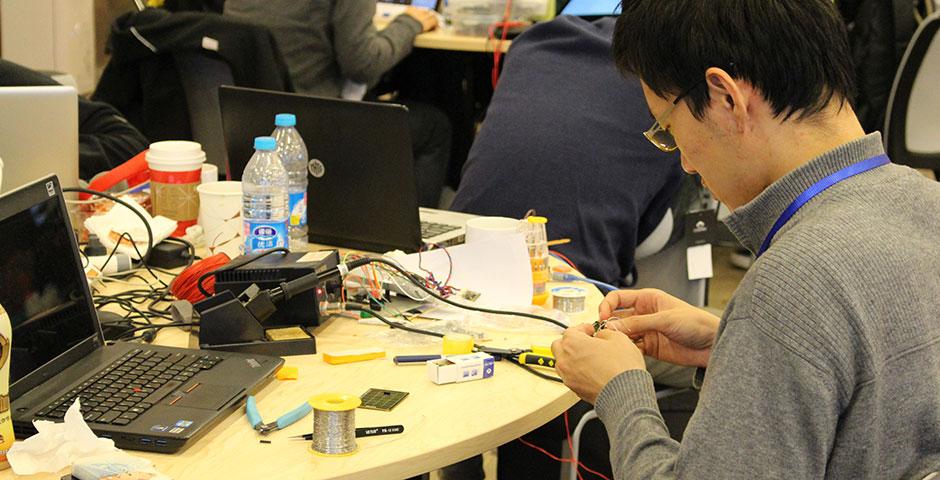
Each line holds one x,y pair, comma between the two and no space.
817,188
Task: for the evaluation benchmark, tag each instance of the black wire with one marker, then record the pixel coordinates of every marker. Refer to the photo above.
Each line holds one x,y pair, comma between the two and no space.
420,284
161,326
392,324
122,202
538,373
231,265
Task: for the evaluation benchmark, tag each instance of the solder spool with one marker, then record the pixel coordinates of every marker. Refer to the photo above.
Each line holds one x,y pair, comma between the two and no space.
334,424
569,299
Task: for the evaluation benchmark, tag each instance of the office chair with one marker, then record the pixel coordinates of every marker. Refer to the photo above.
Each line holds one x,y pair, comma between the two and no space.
913,117
201,74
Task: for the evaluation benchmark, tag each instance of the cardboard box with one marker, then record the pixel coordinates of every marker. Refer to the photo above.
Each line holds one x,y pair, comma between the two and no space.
460,368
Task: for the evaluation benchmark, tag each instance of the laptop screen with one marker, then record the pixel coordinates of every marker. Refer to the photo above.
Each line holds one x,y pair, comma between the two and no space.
41,287
592,8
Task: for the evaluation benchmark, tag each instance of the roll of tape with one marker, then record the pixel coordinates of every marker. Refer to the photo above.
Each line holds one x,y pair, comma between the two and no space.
569,299
457,344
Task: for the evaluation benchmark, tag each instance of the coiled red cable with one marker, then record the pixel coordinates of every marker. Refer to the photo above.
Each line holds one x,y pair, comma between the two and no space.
184,286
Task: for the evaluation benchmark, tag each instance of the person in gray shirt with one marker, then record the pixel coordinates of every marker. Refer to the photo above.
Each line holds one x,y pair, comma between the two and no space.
826,363
333,49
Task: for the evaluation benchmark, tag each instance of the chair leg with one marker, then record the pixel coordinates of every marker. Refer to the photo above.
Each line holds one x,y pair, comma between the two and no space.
576,441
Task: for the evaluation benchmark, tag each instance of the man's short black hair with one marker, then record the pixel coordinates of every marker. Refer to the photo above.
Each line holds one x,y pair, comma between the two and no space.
796,52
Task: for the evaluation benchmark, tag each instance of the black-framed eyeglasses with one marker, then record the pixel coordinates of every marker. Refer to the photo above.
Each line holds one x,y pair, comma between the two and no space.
658,134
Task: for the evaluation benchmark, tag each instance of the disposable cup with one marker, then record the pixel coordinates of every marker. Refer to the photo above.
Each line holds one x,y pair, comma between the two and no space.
175,172
210,173
485,228
220,215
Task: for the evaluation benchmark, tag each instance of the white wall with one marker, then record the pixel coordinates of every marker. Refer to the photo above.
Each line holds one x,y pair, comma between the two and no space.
51,35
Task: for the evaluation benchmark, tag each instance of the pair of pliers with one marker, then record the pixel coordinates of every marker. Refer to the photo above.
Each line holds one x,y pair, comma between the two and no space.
254,418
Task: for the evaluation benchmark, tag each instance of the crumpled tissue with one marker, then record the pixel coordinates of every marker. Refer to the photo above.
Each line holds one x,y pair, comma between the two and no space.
109,227
57,445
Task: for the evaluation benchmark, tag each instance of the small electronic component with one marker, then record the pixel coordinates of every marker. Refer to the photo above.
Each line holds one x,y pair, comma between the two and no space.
470,295
599,325
379,399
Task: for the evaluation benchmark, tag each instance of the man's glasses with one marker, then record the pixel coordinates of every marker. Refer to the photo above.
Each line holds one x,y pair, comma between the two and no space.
658,134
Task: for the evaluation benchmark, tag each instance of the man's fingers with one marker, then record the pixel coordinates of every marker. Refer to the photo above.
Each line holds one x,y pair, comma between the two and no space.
617,300
637,324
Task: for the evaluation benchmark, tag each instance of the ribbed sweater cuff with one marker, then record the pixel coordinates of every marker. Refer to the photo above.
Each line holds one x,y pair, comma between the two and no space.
411,22
628,391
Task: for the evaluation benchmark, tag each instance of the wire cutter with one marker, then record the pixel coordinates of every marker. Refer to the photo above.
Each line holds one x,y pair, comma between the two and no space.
254,418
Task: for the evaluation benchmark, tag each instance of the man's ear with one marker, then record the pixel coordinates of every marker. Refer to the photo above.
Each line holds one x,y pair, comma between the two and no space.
728,97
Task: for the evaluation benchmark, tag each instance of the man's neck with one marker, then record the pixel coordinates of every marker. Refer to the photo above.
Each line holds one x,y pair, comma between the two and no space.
796,143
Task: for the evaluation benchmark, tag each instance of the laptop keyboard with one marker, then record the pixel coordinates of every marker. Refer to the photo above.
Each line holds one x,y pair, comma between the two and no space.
431,229
132,384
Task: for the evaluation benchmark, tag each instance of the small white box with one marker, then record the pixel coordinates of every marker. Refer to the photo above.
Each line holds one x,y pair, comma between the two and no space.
460,368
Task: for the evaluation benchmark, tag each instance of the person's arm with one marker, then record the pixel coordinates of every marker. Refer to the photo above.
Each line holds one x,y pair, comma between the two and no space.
765,412
105,138
363,52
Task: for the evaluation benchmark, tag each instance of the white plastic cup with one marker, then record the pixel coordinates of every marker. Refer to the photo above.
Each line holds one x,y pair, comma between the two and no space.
175,172
210,173
485,228
220,215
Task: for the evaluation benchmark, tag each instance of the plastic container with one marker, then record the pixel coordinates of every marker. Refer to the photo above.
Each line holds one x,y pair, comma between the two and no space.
293,153
537,242
264,199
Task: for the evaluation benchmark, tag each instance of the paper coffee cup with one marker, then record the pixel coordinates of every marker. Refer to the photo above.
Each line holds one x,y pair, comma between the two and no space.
175,172
220,215
485,228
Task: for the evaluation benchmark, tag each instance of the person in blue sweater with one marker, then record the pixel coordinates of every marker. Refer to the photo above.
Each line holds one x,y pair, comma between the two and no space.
560,136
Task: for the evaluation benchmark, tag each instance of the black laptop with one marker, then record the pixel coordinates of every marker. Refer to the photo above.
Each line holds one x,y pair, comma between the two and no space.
142,396
361,187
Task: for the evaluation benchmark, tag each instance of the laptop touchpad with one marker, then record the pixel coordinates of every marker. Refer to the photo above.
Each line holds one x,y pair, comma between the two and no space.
205,396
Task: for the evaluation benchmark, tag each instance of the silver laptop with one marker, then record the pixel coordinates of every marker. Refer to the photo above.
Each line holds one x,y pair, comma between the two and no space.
362,192
38,135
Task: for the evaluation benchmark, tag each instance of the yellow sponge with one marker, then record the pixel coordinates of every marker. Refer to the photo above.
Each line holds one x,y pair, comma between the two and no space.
287,373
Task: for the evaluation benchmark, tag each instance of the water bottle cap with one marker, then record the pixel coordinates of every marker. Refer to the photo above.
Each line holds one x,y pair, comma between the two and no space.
285,120
265,143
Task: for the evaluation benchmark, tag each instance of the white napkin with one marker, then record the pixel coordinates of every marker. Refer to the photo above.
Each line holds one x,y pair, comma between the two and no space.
57,445
120,219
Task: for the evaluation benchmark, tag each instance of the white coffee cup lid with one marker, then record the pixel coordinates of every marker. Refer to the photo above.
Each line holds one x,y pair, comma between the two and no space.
175,156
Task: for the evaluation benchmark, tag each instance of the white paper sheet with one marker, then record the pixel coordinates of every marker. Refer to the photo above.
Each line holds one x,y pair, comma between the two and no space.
498,269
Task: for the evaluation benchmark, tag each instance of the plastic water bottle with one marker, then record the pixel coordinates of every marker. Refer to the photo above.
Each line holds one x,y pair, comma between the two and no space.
293,152
264,198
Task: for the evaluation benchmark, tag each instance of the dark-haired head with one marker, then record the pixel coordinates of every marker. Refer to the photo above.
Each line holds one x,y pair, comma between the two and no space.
794,51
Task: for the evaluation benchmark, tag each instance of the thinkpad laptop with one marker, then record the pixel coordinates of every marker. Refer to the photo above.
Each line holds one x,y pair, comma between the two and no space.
142,396
361,189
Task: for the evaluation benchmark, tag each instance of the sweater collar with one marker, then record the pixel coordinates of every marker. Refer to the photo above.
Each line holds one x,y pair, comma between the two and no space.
752,222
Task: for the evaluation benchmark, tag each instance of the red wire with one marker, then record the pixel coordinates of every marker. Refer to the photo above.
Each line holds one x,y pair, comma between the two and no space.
566,259
571,445
184,285
498,53
563,460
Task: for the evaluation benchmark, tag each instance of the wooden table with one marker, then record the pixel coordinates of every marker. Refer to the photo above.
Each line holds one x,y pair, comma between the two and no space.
443,423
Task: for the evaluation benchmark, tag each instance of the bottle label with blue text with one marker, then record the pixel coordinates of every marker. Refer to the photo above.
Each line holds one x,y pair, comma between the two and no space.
298,209
261,235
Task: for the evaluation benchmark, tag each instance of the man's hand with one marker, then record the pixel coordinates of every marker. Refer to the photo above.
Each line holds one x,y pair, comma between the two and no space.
427,18
662,326
587,363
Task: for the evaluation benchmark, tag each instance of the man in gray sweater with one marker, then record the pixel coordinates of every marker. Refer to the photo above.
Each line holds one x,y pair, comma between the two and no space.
332,49
826,363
